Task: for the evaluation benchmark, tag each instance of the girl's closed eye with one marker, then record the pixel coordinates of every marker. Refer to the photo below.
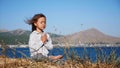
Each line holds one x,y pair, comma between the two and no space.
43,22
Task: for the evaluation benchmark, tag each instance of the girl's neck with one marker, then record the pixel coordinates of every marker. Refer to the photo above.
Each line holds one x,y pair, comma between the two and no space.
39,30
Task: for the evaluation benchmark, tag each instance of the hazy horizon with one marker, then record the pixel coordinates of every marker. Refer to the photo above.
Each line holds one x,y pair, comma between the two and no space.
62,34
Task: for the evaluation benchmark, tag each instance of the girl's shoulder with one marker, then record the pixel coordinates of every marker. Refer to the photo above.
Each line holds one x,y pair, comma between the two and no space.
34,33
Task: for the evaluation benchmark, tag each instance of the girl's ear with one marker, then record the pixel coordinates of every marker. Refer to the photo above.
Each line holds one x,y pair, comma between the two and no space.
35,24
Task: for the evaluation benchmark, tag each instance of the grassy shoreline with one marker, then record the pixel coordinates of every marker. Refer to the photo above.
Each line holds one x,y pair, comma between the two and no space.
72,60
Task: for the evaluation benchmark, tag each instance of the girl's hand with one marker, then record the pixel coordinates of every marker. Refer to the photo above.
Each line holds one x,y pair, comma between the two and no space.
44,38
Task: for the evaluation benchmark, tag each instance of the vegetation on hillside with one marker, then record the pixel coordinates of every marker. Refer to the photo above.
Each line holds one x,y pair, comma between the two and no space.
17,38
12,39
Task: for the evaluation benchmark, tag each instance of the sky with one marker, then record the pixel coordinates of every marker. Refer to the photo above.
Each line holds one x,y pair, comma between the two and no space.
63,16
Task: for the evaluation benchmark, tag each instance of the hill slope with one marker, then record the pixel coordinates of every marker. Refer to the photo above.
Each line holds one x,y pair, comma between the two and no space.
88,36
17,36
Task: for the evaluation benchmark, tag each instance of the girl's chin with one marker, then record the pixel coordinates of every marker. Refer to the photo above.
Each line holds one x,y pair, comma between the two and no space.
43,28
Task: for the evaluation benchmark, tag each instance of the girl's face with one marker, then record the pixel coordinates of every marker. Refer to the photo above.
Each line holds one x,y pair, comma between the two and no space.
40,24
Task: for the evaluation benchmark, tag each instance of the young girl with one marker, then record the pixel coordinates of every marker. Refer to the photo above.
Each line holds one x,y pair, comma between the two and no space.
39,41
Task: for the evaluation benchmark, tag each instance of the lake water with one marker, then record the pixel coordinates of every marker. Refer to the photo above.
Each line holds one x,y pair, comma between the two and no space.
82,52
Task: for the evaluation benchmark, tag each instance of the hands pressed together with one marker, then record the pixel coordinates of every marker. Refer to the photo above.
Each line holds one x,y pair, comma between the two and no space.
44,38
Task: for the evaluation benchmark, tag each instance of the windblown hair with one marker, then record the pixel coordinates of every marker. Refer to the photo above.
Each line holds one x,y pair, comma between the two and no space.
34,19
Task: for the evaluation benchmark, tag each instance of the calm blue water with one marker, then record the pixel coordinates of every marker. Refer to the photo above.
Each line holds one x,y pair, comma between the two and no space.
81,52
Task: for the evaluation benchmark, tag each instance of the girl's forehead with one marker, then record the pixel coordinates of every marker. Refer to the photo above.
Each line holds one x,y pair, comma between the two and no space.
42,19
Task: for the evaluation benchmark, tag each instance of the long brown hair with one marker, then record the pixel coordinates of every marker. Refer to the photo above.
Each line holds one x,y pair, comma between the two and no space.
34,19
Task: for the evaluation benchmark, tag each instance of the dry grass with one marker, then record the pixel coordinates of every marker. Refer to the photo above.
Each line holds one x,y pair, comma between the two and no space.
26,63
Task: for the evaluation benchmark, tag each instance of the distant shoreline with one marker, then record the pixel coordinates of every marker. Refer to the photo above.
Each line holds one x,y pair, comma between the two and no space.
71,45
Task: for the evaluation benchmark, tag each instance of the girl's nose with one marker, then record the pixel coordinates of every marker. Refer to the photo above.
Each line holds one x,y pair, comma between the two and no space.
44,24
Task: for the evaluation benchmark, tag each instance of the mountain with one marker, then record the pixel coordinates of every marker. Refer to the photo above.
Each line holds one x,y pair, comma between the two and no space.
3,30
18,36
19,32
88,36
92,35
